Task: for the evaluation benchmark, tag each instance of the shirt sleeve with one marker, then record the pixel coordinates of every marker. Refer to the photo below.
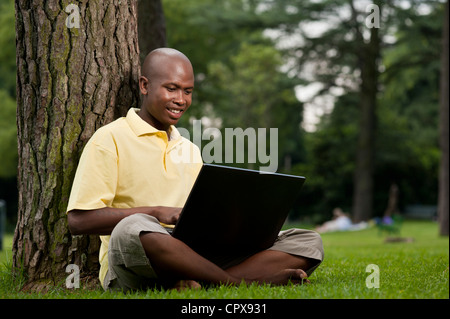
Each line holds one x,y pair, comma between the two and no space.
95,181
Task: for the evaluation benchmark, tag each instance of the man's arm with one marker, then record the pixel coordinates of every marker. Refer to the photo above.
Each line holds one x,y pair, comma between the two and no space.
102,221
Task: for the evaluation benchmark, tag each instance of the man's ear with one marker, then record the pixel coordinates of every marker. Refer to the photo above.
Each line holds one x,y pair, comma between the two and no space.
143,85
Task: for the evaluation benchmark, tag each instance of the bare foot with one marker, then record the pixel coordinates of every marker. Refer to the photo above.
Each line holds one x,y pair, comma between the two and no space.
283,277
186,284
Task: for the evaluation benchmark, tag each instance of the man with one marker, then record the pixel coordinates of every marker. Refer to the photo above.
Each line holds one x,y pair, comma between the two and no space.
127,188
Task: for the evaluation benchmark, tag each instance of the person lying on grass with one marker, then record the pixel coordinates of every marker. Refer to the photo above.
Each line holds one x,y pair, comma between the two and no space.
127,187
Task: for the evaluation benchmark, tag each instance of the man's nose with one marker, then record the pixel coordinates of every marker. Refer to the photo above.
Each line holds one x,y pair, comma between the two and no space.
179,99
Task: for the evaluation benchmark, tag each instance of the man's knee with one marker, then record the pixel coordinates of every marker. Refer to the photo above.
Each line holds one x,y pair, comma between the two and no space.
154,243
129,229
128,263
316,239
301,242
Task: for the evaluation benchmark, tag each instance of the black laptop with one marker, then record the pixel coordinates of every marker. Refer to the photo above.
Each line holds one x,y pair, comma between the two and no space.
234,212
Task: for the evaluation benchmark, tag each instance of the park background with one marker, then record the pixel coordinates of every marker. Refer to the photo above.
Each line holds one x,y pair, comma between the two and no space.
355,104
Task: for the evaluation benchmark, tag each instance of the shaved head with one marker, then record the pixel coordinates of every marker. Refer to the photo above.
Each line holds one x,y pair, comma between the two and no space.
157,59
166,84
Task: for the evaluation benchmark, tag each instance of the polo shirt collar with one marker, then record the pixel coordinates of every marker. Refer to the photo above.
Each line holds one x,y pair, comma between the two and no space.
140,127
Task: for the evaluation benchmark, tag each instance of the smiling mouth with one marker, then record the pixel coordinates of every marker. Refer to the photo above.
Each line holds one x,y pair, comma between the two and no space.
175,111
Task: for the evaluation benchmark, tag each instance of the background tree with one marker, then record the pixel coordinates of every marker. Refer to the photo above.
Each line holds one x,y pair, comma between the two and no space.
408,149
70,81
7,43
238,70
319,44
151,26
8,128
336,46
368,62
258,95
8,136
443,206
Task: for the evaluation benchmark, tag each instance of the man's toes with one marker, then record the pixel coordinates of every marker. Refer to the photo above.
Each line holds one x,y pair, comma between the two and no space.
187,284
299,276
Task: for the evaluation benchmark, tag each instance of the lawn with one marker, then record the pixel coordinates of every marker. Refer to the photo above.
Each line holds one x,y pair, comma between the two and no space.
407,270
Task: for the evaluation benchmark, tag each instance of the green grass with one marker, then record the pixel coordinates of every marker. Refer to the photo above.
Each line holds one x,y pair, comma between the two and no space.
417,270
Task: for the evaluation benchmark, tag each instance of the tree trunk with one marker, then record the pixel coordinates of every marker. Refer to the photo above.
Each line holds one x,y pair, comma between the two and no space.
70,81
363,177
151,26
444,135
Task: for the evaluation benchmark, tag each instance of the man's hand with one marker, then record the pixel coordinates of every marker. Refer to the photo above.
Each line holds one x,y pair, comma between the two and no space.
167,215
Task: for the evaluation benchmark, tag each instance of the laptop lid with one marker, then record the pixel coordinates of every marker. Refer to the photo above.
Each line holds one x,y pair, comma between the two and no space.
233,212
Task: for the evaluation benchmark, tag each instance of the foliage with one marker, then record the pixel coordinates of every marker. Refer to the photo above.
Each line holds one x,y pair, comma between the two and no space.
317,42
258,95
245,78
8,130
8,51
8,136
330,163
409,112
238,69
407,115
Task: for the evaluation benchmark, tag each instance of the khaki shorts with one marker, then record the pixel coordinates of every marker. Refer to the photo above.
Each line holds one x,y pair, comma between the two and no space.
130,269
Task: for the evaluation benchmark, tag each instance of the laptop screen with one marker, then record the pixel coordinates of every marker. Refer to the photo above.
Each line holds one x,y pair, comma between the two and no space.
233,211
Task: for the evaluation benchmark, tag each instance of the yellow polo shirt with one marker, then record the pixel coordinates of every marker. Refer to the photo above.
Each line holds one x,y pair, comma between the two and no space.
128,163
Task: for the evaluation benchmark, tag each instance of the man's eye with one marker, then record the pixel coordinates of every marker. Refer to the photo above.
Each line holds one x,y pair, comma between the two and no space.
170,89
188,92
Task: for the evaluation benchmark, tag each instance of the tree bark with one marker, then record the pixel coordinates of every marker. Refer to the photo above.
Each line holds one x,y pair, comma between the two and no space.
444,135
70,81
